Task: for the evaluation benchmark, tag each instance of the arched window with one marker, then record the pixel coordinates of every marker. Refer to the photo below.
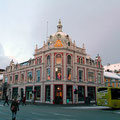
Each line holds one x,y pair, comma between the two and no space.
48,60
68,59
58,59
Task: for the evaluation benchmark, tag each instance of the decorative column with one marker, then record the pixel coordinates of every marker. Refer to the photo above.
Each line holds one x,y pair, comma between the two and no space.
64,94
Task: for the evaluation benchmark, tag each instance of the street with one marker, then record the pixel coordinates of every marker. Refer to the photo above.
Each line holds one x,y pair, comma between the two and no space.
60,112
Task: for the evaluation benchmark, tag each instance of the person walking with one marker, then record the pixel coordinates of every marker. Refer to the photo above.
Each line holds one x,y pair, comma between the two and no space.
6,101
14,108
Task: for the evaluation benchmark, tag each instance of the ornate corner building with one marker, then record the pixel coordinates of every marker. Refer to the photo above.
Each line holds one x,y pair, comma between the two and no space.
60,73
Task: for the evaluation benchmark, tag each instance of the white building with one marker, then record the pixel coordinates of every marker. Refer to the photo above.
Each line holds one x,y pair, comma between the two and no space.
112,67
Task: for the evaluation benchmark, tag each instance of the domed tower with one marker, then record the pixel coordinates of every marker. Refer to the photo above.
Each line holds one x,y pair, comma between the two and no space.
59,39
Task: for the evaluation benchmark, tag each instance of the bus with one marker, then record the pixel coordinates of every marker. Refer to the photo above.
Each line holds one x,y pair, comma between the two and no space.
108,96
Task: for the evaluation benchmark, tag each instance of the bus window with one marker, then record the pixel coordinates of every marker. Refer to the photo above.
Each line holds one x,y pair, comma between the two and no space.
102,89
115,94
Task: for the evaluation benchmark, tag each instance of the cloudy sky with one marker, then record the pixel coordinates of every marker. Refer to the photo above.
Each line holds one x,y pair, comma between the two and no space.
23,24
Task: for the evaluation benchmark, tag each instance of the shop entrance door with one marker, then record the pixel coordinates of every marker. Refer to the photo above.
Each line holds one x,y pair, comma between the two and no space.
58,95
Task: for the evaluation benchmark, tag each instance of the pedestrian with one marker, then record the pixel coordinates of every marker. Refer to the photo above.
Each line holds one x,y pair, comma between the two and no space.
14,108
24,100
19,99
6,100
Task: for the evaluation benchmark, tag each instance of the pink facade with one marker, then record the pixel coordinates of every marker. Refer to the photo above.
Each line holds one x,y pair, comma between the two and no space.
58,68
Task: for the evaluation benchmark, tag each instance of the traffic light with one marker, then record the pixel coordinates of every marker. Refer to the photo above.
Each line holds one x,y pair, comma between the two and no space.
75,91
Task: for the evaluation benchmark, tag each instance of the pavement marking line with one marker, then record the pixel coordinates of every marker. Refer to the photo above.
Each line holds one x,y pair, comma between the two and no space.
117,112
97,107
40,114
62,115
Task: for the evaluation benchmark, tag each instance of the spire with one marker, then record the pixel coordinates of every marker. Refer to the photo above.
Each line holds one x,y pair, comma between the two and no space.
36,47
59,26
83,46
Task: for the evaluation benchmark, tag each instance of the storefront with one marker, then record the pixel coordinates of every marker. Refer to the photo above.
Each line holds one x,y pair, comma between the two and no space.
69,94
37,93
15,92
29,93
91,93
81,93
58,94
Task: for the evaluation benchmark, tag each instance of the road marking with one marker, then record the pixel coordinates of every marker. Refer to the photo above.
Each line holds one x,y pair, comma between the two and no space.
96,107
61,114
117,112
39,114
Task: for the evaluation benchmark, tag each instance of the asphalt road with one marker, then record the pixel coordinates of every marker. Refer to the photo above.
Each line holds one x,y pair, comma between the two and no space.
60,112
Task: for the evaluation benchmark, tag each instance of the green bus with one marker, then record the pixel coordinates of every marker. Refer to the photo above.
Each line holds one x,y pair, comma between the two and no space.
108,96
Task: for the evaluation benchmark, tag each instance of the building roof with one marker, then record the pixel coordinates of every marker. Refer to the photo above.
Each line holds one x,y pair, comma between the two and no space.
111,75
1,77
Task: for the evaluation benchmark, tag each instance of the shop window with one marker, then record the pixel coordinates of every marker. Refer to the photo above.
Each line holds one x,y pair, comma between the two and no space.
58,59
68,59
58,73
38,76
15,92
58,94
48,60
29,93
80,75
29,76
99,78
91,76
69,93
81,93
48,73
37,93
91,93
47,96
69,73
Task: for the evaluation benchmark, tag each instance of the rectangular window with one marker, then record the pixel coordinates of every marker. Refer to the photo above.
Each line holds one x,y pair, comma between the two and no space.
58,73
110,83
37,92
38,76
48,74
15,92
10,78
91,76
115,94
91,93
16,78
81,93
69,93
99,78
47,97
80,75
114,84
29,90
69,73
29,76
22,77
